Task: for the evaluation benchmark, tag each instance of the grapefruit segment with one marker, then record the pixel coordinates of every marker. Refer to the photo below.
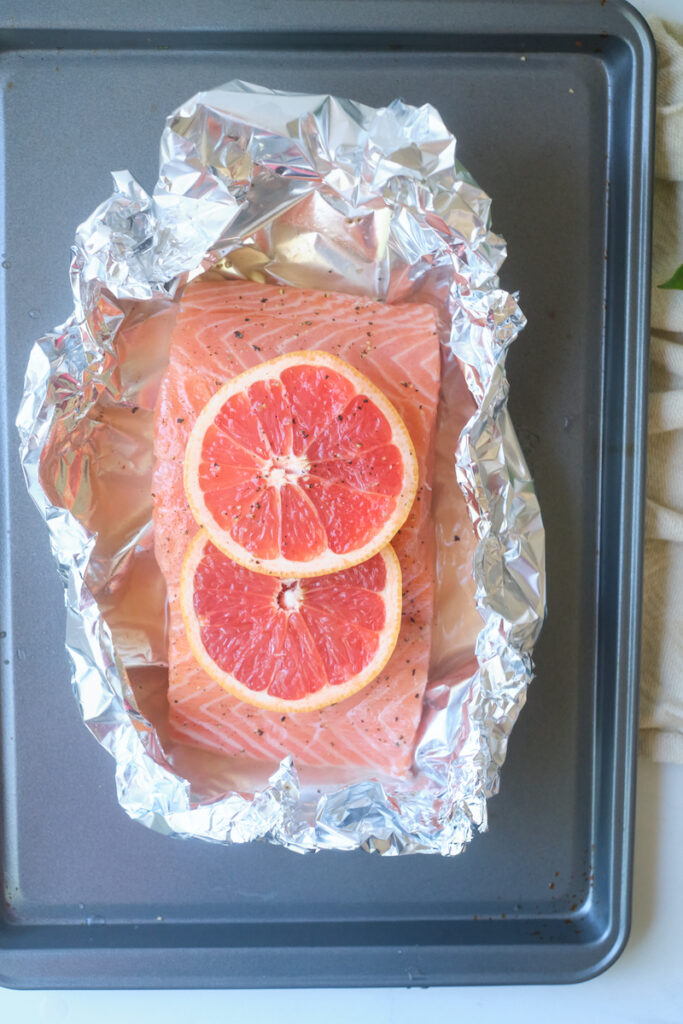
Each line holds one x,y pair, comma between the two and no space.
300,466
350,518
260,534
289,645
303,535
317,398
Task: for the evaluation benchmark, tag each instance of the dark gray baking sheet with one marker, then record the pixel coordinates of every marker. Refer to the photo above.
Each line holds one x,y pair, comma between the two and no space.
552,107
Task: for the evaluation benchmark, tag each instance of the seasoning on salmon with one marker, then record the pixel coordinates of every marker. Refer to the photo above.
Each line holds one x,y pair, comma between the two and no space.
223,328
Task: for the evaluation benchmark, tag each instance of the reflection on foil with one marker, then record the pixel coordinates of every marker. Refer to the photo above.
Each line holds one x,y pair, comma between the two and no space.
316,192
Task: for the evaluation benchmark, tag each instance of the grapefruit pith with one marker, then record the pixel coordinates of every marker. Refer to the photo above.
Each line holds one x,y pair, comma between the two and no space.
289,645
300,466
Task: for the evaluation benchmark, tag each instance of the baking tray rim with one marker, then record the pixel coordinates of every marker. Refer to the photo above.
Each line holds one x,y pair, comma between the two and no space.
606,950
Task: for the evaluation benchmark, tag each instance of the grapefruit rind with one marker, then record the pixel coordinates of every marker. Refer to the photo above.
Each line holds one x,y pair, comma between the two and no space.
329,694
328,561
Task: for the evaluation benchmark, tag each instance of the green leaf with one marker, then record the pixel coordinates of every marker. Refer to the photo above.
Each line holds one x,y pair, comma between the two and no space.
674,282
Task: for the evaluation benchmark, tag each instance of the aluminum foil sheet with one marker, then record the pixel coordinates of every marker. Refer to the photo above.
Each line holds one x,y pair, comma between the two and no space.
237,163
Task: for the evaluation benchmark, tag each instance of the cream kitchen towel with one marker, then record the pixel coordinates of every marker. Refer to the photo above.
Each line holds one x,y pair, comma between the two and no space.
661,710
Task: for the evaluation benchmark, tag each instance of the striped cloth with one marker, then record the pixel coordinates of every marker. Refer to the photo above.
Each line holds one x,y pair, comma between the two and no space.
661,714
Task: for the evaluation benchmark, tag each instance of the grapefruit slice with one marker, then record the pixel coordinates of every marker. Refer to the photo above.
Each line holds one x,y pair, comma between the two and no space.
300,466
289,645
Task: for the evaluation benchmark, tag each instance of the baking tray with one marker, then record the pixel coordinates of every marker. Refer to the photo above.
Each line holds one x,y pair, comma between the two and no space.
552,107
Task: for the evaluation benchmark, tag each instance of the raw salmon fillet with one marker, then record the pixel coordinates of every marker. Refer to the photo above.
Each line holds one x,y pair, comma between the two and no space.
224,327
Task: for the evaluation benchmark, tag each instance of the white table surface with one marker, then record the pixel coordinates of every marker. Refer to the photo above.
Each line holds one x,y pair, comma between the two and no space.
645,986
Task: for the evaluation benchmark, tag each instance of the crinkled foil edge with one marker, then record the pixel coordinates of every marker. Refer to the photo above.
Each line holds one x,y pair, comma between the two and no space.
139,247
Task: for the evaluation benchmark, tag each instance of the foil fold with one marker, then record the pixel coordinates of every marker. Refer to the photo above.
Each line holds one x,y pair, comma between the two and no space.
234,161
